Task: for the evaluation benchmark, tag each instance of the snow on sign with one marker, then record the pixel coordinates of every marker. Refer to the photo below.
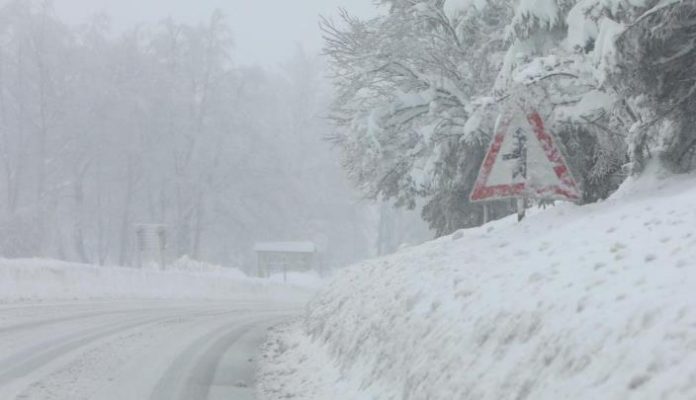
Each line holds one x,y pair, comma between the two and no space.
523,161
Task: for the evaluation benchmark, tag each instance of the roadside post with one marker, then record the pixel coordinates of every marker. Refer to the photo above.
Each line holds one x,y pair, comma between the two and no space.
151,240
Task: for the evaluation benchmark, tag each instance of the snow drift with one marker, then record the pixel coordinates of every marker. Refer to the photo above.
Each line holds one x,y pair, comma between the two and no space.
38,279
595,302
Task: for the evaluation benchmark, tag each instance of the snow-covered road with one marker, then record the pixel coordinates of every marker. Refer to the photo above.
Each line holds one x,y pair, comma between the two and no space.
165,350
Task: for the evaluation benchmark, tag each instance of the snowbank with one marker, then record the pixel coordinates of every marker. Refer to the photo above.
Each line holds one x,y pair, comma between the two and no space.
309,280
188,264
595,302
34,280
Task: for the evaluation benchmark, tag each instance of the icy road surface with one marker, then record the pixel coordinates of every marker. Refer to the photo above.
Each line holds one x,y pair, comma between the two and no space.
133,350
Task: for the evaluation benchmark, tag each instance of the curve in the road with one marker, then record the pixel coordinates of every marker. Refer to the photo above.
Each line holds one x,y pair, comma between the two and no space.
47,347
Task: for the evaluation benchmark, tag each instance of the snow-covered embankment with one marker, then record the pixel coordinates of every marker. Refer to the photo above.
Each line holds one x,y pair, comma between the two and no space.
595,302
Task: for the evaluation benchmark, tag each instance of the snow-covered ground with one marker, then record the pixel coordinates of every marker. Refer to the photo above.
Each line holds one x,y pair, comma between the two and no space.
575,303
41,280
134,349
72,331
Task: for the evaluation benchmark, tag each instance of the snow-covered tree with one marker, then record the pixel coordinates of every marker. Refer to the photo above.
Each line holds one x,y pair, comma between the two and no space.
554,53
419,89
412,89
655,72
102,131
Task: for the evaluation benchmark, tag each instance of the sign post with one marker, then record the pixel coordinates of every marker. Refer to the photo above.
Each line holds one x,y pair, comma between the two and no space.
523,163
152,244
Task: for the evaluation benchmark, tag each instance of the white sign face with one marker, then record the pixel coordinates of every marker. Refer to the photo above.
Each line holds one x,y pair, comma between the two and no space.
540,170
511,162
523,160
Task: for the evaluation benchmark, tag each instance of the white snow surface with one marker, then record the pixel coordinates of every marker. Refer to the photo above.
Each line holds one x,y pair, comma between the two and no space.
454,7
581,29
286,247
574,303
33,280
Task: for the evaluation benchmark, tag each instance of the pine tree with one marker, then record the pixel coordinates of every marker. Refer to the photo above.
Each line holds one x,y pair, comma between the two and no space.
656,72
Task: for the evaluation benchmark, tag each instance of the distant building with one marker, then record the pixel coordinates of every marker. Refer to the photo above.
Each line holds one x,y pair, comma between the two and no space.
283,257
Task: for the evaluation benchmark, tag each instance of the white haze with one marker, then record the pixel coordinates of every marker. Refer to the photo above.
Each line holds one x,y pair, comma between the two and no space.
108,123
265,32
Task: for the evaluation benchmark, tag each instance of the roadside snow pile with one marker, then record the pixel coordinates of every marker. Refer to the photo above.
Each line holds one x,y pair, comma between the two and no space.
307,280
595,302
296,367
188,264
34,280
310,280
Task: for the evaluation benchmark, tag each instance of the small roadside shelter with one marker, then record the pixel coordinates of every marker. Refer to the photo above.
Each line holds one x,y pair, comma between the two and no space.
283,257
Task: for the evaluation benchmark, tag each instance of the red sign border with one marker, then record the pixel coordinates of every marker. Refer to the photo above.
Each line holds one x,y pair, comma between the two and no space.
482,192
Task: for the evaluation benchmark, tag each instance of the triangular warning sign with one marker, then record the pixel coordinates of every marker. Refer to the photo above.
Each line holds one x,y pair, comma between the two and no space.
524,161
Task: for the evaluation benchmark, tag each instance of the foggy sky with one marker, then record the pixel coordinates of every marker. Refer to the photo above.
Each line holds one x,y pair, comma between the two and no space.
266,32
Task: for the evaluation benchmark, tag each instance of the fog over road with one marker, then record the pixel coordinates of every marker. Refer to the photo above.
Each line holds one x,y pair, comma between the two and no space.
169,349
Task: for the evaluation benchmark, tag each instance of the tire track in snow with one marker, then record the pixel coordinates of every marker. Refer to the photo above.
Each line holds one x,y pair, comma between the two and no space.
192,374
196,383
38,324
208,351
22,364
